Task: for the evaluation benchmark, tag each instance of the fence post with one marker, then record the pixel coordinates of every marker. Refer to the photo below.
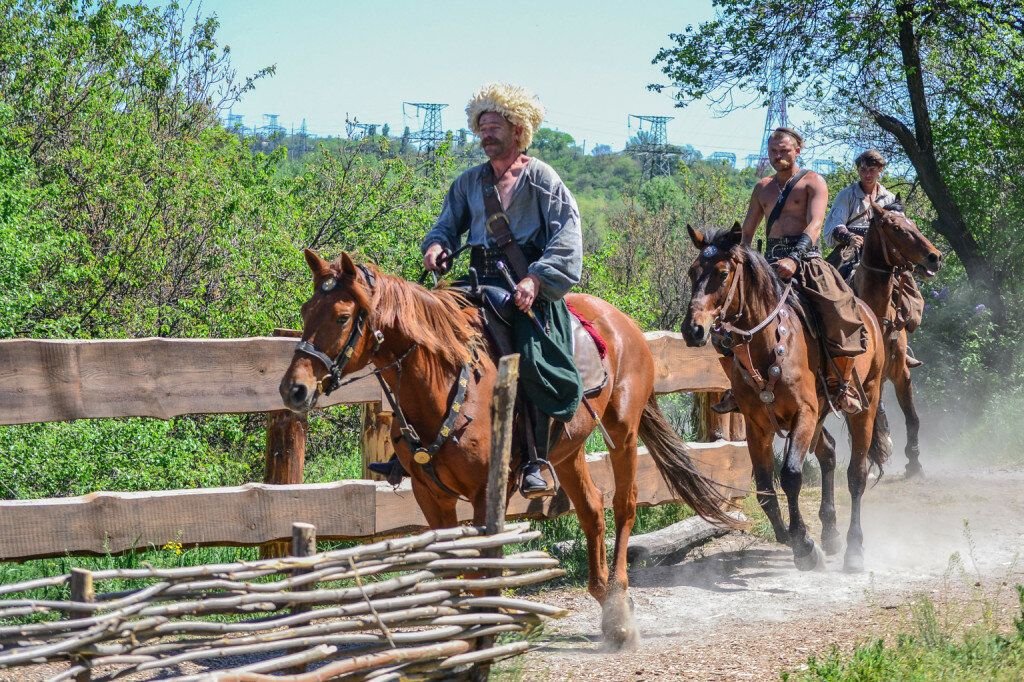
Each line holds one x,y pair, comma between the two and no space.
82,591
303,544
502,406
376,445
285,454
712,426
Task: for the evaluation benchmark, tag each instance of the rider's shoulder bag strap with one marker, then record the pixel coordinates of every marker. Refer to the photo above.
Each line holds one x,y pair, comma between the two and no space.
781,201
498,227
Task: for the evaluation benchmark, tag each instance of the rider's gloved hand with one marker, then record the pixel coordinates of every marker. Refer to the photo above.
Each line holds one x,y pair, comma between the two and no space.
785,267
844,236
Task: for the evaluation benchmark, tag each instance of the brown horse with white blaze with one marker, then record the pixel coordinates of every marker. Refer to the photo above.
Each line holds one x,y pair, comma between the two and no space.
422,342
737,298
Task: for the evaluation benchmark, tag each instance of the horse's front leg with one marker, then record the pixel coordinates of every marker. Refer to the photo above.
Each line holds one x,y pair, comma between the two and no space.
900,376
861,426
806,555
825,451
762,460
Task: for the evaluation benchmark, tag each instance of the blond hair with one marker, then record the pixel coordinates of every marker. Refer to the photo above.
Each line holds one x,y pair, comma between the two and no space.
519,106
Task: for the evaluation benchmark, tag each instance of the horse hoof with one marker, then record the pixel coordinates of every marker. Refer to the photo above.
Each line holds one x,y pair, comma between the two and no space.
854,563
832,544
618,625
914,470
812,561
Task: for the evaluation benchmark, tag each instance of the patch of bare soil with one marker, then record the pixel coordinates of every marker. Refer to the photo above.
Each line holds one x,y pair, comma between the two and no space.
739,610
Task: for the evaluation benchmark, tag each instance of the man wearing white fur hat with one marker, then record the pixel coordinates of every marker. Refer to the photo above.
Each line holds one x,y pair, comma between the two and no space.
515,209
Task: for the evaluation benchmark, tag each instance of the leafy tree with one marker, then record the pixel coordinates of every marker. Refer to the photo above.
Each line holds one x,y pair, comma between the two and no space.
601,150
928,77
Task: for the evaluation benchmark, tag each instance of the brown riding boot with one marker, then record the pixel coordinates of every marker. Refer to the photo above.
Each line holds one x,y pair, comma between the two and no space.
728,402
845,391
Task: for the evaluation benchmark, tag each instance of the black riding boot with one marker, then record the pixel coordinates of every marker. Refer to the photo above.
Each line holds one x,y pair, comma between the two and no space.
538,430
391,469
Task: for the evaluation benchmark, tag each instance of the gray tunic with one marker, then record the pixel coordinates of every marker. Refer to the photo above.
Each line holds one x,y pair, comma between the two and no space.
540,210
848,203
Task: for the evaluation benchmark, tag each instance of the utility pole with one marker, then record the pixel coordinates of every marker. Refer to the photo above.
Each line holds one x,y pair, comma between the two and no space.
431,134
653,147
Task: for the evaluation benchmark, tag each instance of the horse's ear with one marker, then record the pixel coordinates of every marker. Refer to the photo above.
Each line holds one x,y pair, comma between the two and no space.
736,233
899,198
347,266
696,236
318,265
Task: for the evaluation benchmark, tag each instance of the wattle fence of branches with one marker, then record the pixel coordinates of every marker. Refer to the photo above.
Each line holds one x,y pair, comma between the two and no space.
422,607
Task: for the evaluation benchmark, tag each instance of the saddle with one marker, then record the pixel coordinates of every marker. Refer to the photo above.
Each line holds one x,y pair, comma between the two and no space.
498,312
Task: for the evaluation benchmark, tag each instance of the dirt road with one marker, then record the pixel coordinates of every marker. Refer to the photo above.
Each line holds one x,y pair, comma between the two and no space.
739,610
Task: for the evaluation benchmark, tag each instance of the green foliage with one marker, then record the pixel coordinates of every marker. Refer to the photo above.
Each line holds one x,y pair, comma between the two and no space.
930,654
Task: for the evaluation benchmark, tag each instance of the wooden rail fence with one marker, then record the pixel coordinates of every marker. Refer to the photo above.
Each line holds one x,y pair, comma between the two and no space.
43,381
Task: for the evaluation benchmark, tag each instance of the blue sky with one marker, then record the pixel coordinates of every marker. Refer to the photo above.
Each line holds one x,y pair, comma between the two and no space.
588,60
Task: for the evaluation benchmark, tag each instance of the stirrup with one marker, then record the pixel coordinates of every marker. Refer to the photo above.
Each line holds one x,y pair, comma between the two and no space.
534,491
727,404
847,399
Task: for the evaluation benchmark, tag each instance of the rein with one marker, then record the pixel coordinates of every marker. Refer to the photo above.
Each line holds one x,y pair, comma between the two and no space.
422,455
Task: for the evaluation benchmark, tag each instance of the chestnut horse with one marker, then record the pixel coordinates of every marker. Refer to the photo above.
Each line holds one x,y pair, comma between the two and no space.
894,245
737,297
420,341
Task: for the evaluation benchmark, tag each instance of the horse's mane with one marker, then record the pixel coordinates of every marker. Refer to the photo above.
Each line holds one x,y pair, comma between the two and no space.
761,275
435,319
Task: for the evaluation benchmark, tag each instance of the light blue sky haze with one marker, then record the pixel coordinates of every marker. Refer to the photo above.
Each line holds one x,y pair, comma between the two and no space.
588,60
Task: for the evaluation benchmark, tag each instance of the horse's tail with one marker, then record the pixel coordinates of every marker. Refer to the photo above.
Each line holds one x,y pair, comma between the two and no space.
673,460
881,443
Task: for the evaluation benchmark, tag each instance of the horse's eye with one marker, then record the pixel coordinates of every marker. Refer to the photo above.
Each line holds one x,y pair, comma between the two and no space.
343,319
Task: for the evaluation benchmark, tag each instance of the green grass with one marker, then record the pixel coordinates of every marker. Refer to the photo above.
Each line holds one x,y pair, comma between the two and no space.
930,653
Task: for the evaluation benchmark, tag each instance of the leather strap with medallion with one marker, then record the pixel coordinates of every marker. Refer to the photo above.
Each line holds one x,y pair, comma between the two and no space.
498,227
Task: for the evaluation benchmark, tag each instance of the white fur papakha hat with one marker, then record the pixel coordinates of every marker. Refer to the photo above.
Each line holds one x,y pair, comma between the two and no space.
517,104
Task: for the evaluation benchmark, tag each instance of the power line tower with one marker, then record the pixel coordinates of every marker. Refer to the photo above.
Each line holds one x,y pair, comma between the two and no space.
273,132
236,124
653,144
357,130
431,134
777,117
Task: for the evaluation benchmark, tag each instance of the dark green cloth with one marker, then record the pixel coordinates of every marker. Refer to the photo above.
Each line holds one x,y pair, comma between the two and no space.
547,372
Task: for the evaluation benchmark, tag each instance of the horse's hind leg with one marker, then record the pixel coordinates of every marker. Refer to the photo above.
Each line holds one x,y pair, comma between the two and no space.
825,451
762,459
806,555
905,395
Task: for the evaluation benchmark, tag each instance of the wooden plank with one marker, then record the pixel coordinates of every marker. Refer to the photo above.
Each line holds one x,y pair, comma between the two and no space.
255,513
44,381
677,367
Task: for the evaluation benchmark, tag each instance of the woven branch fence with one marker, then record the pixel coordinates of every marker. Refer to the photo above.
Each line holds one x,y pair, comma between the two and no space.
417,608
395,609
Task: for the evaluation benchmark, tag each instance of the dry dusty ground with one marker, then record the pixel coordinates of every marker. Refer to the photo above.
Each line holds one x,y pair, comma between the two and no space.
737,609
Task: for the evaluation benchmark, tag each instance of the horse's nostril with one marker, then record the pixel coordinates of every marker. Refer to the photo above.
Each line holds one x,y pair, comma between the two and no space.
933,258
697,331
298,394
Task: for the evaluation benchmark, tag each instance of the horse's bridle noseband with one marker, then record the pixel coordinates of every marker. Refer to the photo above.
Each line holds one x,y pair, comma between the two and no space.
335,366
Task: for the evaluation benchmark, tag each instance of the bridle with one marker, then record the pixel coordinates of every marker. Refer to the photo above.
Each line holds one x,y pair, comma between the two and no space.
727,334
422,455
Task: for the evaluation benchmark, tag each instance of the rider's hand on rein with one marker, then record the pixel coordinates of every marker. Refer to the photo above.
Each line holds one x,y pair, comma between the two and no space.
785,267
